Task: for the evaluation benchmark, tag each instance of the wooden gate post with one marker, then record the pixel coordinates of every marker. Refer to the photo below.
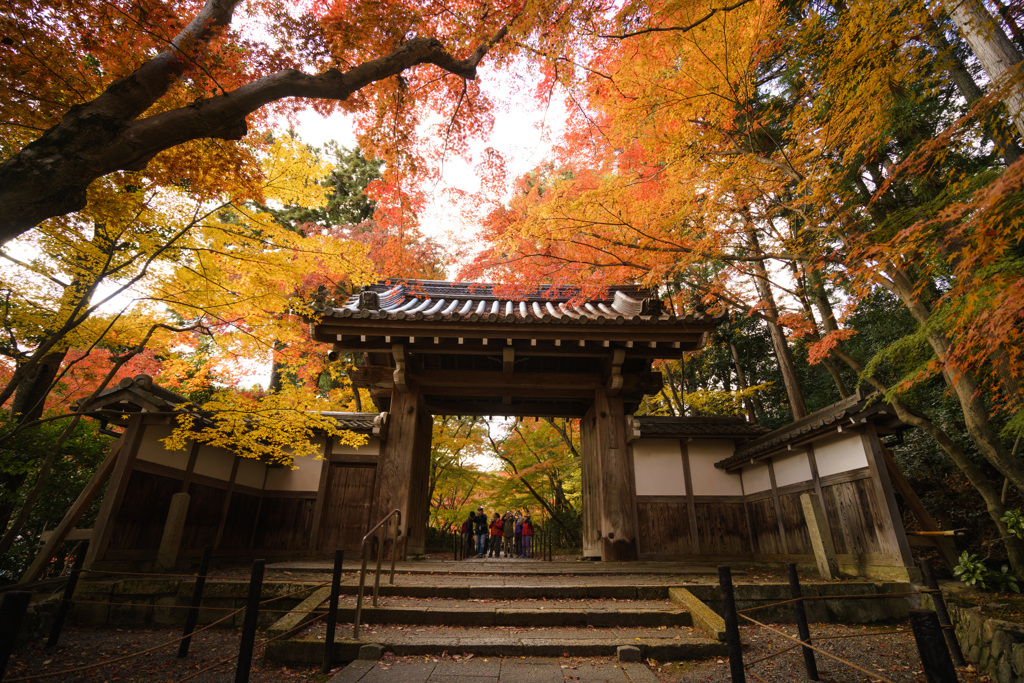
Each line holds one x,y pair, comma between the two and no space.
607,481
404,468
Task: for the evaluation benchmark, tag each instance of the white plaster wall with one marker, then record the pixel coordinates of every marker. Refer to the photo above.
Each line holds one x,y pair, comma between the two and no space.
756,479
371,447
251,473
215,463
708,480
839,453
305,476
791,468
152,450
658,466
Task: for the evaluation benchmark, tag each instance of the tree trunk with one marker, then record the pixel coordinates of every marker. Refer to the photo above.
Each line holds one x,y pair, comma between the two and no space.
963,384
996,52
782,351
741,379
965,83
32,392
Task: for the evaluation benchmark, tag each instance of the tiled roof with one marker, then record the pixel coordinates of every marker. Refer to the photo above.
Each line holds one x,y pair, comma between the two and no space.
140,394
825,419
433,300
726,427
357,422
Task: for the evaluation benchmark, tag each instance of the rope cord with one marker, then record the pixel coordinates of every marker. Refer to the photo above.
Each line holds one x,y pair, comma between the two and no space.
222,662
158,576
873,674
35,677
826,597
773,655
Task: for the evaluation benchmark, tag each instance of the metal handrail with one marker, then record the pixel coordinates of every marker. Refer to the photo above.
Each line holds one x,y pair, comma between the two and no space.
397,514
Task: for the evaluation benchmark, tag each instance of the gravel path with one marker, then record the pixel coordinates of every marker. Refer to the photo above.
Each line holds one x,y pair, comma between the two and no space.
894,655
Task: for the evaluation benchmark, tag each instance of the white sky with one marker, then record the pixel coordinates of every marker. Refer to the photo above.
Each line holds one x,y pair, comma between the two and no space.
522,134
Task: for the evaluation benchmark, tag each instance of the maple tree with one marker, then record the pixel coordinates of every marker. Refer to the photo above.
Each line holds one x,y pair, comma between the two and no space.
150,86
780,161
227,278
454,476
540,468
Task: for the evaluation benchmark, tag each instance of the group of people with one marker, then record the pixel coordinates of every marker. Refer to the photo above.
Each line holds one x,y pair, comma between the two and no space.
511,534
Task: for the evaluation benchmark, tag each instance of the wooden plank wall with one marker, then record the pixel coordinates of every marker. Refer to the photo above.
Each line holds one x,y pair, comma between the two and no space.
767,525
138,523
239,520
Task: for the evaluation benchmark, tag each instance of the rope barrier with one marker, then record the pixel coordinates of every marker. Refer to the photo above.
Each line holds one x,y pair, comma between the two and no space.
222,662
826,597
158,576
36,677
296,592
873,674
757,677
771,656
864,635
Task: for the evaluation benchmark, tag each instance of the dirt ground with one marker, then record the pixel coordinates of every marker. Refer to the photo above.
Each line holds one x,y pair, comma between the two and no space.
888,651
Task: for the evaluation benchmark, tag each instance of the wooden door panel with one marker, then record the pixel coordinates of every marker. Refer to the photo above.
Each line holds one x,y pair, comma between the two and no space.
347,505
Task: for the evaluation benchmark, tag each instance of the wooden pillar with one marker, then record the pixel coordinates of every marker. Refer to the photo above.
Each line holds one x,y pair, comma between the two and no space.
404,468
174,529
608,524
591,487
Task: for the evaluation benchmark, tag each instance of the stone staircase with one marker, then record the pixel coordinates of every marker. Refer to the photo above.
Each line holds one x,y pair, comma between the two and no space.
510,609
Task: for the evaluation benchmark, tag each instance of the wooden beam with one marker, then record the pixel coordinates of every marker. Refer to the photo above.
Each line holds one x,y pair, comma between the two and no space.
63,530
398,352
614,385
883,489
484,408
691,504
119,477
945,546
508,360
75,534
821,536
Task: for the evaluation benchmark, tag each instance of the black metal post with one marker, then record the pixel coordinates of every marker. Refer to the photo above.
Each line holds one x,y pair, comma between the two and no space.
252,608
69,592
801,622
332,611
192,616
938,667
942,613
12,613
732,629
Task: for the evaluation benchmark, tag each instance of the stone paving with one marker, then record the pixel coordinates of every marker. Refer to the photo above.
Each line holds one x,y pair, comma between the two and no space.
491,669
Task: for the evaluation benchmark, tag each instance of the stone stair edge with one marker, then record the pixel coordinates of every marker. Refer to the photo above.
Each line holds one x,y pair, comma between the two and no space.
309,651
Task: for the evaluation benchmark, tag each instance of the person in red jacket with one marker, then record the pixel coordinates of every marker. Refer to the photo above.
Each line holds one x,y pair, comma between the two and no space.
496,529
527,551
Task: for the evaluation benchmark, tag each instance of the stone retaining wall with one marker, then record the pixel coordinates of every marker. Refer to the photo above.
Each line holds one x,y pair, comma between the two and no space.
995,646
139,602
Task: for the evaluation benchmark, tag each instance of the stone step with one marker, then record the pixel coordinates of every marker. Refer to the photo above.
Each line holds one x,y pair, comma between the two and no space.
670,644
516,616
568,590
522,613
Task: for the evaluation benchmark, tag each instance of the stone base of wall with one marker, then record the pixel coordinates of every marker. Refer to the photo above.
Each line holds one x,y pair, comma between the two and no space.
995,646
